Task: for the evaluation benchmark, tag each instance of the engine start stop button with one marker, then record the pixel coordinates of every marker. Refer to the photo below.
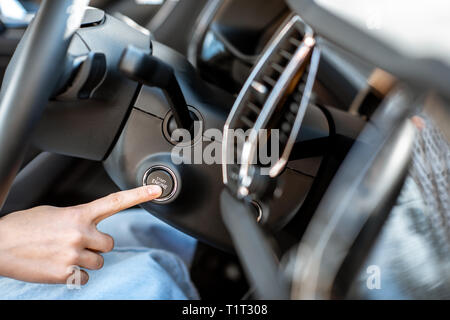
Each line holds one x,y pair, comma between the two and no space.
163,177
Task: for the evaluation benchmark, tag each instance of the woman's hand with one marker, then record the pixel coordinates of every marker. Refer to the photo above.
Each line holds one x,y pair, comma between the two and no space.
44,243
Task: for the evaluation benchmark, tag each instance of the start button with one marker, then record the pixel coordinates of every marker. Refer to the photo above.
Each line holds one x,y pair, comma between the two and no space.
163,177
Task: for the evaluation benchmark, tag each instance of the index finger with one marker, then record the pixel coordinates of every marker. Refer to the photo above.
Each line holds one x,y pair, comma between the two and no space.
103,208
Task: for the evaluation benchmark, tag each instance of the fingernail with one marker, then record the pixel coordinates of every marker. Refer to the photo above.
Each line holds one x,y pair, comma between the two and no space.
154,190
84,278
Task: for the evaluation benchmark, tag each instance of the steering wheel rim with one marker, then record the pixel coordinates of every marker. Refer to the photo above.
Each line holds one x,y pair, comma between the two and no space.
30,79
357,202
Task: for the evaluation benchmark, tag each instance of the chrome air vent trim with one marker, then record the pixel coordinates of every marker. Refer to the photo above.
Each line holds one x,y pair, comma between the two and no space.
269,76
280,91
306,98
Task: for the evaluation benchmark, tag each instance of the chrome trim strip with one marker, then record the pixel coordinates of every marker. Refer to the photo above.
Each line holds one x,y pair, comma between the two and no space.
276,169
259,209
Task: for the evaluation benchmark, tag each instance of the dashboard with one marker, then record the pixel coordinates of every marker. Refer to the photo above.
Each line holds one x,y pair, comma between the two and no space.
297,80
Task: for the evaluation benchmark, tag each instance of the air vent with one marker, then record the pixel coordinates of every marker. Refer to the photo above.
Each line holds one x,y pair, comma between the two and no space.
268,75
294,109
279,78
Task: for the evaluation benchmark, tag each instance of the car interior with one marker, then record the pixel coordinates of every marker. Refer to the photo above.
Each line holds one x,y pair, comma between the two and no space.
89,109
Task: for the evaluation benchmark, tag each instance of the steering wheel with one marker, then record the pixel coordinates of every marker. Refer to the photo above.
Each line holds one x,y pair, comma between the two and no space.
31,77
